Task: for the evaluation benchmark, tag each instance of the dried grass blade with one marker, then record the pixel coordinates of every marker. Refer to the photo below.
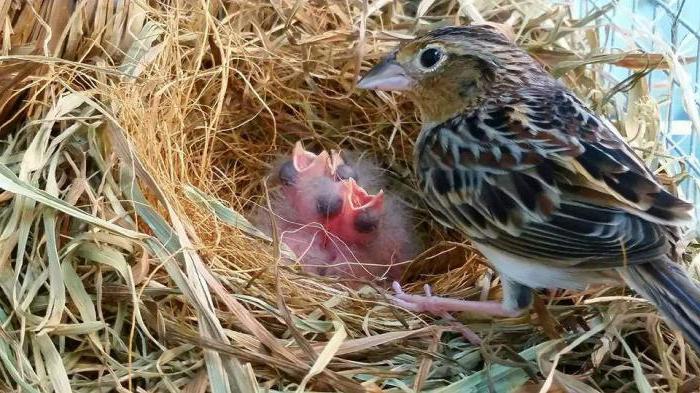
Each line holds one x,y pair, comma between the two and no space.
80,299
53,364
109,256
224,374
506,379
10,182
232,217
366,343
247,319
550,367
142,50
564,380
77,329
37,154
425,363
639,374
57,290
10,355
326,355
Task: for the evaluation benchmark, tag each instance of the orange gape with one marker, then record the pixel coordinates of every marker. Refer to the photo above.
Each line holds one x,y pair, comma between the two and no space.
333,225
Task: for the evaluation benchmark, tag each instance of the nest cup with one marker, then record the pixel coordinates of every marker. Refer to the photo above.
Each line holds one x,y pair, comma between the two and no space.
137,136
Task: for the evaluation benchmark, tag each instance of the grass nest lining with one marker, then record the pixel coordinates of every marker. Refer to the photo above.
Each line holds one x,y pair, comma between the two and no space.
136,135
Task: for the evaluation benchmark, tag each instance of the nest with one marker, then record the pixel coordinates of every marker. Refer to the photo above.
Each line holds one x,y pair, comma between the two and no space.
136,137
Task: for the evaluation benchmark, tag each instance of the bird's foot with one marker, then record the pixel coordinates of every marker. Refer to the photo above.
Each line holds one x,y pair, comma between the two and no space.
440,306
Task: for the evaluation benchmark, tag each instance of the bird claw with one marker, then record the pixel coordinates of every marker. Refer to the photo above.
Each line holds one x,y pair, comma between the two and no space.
417,303
432,305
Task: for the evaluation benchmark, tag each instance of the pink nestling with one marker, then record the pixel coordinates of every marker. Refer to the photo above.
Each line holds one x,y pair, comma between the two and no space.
335,227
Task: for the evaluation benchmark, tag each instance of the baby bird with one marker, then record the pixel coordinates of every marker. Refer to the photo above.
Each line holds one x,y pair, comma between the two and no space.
327,218
548,191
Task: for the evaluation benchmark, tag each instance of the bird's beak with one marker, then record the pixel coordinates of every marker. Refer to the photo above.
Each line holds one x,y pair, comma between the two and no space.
387,75
359,199
306,161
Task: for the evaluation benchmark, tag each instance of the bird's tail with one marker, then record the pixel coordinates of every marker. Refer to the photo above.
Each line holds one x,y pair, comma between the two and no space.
674,293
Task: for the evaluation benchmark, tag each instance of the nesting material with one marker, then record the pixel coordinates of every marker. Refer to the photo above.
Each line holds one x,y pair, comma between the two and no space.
136,136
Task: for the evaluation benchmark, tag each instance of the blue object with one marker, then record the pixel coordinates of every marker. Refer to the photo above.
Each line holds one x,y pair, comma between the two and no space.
675,23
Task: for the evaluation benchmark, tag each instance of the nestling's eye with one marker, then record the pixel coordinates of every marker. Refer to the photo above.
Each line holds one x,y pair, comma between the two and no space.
430,57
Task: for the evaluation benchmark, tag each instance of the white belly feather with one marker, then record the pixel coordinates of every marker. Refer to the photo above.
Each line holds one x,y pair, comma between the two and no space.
535,274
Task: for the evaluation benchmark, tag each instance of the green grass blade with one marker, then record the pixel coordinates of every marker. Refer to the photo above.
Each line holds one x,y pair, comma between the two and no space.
505,379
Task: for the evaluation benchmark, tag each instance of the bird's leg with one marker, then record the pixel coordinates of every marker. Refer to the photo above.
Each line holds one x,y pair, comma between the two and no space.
440,305
467,333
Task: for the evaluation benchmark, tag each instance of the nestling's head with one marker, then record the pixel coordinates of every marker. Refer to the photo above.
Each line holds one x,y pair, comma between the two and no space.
450,69
323,188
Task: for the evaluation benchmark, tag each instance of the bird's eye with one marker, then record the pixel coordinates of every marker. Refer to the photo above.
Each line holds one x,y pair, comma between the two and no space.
430,57
287,173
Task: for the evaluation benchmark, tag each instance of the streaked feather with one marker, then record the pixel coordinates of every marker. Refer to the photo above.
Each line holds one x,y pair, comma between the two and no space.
548,191
675,295
538,174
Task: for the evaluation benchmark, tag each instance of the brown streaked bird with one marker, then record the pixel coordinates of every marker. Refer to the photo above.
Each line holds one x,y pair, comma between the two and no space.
548,191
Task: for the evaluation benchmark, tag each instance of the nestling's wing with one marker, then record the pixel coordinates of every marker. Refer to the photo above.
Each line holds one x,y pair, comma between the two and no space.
540,175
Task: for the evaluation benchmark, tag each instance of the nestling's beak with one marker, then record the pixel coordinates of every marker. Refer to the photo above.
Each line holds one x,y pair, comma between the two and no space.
387,75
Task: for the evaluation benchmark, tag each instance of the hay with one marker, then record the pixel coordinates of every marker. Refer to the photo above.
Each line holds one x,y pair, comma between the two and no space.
136,135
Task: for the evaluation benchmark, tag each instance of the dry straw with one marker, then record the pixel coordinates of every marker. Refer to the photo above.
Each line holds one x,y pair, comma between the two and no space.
135,135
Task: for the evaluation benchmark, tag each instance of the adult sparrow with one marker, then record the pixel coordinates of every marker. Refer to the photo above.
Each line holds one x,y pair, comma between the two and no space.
546,189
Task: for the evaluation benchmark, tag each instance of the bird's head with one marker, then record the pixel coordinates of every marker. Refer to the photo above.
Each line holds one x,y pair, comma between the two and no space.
450,69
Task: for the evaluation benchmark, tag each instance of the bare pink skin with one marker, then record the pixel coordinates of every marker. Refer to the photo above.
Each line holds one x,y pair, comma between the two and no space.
356,201
442,306
334,225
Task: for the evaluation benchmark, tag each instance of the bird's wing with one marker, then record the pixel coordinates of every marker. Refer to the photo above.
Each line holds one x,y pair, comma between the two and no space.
542,176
